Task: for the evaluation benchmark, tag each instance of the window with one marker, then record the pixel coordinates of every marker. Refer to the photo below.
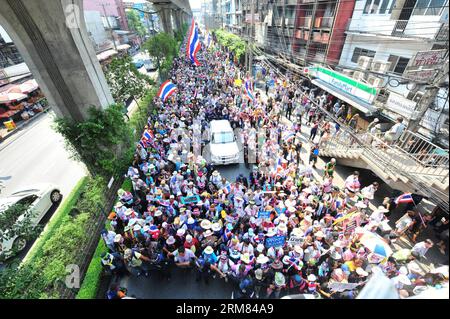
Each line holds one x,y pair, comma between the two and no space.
429,7
392,6
362,52
375,6
384,6
367,6
223,138
398,64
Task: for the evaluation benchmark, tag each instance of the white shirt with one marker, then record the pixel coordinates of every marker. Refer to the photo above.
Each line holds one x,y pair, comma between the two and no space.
188,256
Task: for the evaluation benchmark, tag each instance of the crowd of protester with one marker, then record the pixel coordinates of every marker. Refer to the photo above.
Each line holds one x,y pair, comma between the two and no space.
280,230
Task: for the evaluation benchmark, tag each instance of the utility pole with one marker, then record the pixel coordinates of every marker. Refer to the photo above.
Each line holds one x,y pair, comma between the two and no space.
109,26
429,97
252,31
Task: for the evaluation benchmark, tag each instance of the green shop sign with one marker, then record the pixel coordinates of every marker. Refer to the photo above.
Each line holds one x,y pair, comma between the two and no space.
351,86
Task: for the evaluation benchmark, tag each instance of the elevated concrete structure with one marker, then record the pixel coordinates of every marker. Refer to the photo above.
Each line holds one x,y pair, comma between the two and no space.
52,38
173,13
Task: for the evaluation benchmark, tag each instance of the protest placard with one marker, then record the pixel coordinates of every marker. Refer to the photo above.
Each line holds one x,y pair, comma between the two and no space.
275,241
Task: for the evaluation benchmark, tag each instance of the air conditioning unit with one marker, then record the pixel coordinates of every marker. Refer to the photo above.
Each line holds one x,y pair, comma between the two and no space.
417,97
347,72
364,62
360,76
375,81
380,66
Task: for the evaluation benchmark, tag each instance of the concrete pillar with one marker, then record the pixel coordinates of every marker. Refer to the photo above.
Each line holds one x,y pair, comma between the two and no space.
165,15
177,14
51,37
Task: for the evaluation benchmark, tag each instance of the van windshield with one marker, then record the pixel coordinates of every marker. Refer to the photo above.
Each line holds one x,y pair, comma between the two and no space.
223,137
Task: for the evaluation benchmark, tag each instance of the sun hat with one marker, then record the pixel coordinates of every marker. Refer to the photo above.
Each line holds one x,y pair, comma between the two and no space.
271,232
208,250
360,205
245,258
262,259
216,227
283,217
128,212
158,213
335,255
258,273
137,227
280,280
208,233
118,204
127,253
361,272
189,238
205,224
312,277
235,254
291,209
286,260
181,232
117,238
297,232
215,173
170,240
319,234
277,264
191,221
298,249
260,248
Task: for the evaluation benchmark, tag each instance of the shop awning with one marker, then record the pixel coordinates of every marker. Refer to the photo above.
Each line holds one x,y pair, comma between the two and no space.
106,54
367,108
123,47
9,97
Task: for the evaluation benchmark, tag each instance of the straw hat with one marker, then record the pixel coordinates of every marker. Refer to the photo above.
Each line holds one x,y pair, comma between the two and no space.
262,259
205,224
361,272
216,227
181,232
297,232
208,233
208,250
245,258
117,238
170,240
271,232
260,248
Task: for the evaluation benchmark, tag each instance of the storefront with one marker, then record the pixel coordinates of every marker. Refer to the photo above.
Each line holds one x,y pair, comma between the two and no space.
360,96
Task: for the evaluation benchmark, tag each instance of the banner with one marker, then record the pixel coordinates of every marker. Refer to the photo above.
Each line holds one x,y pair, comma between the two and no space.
275,241
190,199
263,214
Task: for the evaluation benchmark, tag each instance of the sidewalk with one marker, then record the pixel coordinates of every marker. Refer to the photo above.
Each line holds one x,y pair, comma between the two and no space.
5,134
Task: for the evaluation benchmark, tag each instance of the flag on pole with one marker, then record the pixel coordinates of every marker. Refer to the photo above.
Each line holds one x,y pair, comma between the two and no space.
404,198
248,91
193,45
166,90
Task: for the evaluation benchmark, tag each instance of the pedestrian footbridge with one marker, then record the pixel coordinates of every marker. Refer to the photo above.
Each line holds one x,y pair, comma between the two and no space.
411,164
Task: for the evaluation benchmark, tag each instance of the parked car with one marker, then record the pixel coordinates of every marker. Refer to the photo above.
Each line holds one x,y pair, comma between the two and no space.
38,199
150,66
222,143
138,64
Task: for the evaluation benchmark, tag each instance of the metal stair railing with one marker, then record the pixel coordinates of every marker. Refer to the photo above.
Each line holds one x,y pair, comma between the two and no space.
360,141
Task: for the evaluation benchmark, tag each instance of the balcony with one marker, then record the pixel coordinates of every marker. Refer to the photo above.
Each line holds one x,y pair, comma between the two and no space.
307,21
290,22
399,28
323,22
321,37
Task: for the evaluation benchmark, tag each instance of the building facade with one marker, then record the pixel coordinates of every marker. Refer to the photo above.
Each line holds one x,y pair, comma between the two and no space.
383,38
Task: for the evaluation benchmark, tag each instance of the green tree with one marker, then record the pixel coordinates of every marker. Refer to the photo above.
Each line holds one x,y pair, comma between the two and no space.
17,220
102,141
125,80
163,47
135,23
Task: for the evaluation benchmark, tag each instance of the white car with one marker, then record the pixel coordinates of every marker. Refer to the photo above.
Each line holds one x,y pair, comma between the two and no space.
222,143
39,199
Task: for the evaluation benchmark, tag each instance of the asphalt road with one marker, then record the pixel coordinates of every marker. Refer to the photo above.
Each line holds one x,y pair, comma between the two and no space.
38,155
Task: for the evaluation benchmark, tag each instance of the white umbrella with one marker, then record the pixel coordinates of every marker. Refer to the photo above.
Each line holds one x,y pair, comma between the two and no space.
376,244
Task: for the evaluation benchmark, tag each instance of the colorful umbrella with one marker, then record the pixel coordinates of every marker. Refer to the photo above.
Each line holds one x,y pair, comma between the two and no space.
376,244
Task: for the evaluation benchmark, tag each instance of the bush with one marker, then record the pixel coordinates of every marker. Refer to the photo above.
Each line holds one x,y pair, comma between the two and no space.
91,281
44,272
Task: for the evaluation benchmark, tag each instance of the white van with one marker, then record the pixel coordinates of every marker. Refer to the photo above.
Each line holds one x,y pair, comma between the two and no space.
223,147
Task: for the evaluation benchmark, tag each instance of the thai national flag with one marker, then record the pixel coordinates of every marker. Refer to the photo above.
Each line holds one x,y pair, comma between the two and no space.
193,44
405,198
227,189
166,90
248,91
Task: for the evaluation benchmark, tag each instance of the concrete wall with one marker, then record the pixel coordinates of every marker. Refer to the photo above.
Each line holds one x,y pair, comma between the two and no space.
61,58
94,25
